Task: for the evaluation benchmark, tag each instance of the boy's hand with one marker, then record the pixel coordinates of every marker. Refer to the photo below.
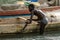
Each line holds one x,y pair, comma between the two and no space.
28,21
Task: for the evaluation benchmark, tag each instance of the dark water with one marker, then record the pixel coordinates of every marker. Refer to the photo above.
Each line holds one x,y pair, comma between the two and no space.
50,35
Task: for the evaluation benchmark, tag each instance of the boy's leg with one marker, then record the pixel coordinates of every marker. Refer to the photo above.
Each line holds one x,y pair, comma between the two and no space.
42,27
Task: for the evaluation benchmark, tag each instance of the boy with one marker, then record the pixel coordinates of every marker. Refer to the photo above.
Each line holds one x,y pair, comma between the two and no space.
41,18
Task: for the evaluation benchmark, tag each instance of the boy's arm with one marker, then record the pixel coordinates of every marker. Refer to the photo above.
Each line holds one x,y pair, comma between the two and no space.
31,18
35,11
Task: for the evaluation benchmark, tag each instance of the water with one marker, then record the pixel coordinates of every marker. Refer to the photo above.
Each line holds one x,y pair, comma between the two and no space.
50,35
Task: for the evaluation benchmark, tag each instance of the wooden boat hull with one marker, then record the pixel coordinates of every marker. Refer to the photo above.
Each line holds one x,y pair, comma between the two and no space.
13,12
14,25
25,11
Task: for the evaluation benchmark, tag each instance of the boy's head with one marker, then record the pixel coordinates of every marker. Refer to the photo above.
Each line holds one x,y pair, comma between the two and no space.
31,7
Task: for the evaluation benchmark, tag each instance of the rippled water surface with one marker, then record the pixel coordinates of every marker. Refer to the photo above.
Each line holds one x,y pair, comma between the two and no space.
52,35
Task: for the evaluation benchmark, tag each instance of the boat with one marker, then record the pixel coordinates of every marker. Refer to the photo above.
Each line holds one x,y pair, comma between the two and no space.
15,9
12,9
14,25
13,12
